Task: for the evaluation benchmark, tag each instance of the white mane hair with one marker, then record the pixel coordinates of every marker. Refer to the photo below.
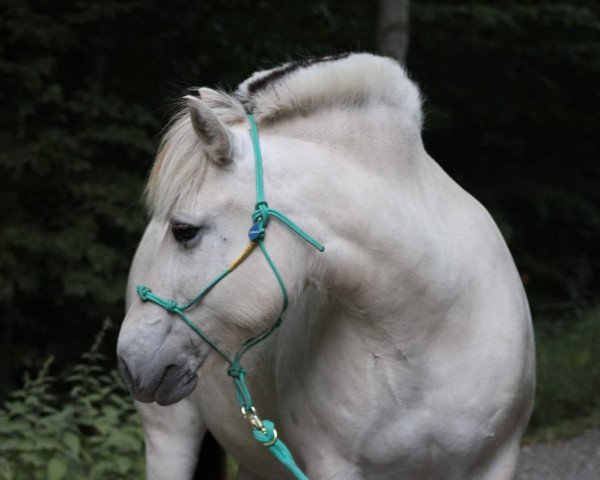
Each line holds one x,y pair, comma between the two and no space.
293,88
350,79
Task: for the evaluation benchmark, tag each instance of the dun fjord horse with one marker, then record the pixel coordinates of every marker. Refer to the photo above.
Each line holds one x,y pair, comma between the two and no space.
405,350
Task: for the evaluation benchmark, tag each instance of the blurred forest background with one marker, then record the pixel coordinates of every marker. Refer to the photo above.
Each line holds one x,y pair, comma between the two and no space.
512,94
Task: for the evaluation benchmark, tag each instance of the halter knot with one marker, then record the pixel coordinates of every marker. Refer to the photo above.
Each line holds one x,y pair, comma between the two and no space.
260,217
171,305
261,213
143,292
236,371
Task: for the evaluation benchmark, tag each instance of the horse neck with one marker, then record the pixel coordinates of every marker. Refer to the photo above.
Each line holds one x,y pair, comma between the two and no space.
380,213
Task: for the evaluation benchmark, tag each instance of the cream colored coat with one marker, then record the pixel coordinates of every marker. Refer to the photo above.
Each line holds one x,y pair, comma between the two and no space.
407,350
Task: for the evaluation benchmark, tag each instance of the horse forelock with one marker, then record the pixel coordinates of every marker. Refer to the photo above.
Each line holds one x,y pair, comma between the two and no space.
178,169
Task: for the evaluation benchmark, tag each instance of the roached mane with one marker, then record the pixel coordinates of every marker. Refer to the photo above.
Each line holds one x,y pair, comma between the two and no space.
292,88
350,79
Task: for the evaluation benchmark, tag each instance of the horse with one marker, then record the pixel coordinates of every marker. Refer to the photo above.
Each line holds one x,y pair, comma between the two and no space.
406,349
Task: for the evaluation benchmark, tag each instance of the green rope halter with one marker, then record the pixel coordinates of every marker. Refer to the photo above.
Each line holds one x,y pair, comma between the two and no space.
263,431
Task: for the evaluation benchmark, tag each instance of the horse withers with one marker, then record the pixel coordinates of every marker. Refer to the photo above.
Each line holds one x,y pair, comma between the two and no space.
406,350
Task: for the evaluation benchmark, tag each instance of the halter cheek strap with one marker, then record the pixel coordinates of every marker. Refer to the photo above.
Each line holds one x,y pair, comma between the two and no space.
263,431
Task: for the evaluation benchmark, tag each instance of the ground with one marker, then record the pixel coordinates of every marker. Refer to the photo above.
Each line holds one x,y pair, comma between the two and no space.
568,459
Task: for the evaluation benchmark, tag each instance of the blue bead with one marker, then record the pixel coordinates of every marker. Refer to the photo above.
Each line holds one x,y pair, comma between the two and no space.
254,232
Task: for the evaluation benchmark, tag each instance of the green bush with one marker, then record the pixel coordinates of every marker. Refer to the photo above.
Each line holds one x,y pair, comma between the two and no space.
511,114
91,432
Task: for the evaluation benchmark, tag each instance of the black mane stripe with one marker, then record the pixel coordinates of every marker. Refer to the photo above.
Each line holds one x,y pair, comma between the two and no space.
279,72
335,80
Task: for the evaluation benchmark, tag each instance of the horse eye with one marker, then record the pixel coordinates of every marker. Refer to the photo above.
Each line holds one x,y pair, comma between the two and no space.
183,232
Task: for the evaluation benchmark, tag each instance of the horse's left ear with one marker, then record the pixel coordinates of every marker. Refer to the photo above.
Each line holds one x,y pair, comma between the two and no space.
213,134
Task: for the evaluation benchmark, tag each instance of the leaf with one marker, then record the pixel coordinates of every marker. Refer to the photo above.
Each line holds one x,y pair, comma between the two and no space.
5,470
56,469
72,442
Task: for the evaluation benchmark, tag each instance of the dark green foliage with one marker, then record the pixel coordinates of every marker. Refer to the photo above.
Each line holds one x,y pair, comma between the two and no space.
92,432
72,150
512,108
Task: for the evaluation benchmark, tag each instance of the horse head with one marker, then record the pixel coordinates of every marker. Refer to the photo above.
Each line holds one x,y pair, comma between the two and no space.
201,196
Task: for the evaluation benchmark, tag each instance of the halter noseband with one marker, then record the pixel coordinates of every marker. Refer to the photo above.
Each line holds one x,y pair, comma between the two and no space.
263,431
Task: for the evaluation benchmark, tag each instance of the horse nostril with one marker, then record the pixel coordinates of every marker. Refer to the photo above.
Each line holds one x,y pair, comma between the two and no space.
125,373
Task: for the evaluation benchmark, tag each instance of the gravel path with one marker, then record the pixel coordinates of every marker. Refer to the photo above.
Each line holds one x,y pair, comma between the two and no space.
572,459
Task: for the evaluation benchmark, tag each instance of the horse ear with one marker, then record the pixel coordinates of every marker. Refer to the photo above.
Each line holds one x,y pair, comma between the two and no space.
226,107
214,98
210,130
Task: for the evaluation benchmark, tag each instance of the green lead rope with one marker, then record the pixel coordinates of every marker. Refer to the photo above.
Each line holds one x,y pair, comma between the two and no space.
262,431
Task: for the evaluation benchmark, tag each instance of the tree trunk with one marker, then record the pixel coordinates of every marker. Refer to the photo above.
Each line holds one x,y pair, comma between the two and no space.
392,31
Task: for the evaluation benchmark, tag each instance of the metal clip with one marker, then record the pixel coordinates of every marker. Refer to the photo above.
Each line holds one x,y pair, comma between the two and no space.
253,419
272,442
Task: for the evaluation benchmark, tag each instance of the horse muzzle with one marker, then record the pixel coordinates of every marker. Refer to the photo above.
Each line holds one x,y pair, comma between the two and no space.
174,383
155,369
